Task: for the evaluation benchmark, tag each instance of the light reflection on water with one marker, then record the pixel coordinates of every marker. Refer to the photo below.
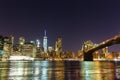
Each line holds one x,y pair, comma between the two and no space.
59,70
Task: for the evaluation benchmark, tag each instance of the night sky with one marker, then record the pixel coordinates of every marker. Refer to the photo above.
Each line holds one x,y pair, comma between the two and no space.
73,20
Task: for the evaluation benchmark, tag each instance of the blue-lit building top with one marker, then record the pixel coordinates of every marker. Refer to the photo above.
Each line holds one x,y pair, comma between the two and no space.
45,42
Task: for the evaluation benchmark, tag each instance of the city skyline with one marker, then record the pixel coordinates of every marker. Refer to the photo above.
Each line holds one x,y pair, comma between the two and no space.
74,21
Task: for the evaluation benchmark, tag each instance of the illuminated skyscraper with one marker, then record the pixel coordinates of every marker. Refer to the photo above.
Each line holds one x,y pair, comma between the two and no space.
21,40
58,46
1,44
38,43
45,42
11,40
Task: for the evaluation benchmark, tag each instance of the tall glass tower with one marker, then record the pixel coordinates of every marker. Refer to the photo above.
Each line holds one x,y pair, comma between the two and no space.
45,42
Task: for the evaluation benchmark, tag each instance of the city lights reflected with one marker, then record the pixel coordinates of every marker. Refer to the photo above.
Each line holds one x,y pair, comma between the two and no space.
93,70
62,70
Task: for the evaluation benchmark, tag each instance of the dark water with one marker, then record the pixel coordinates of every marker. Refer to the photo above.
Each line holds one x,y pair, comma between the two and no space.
59,70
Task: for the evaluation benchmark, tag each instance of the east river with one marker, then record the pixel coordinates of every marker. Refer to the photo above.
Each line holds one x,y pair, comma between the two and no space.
60,70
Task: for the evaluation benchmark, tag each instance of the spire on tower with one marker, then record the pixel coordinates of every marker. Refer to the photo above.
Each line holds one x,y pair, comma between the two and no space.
45,33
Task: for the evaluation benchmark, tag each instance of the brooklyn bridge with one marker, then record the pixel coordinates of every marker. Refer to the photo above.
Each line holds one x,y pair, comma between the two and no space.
88,54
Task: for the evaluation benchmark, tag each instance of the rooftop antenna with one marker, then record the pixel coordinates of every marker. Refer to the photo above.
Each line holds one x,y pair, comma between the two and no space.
45,32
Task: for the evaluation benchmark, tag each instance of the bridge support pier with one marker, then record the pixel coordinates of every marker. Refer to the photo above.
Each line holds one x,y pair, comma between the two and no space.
88,57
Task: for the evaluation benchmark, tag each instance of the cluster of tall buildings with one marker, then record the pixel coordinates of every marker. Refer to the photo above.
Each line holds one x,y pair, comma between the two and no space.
7,46
34,49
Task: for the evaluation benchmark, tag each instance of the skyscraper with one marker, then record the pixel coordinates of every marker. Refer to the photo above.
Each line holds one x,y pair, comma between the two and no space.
21,40
58,46
45,42
1,44
38,43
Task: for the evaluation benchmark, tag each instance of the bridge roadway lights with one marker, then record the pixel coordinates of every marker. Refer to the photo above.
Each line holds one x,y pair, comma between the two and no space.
88,57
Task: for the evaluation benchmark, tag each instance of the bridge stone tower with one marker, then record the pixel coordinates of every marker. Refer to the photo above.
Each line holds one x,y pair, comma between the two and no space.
87,45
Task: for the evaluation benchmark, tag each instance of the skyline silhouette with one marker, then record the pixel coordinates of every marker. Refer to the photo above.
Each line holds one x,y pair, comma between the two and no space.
74,21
